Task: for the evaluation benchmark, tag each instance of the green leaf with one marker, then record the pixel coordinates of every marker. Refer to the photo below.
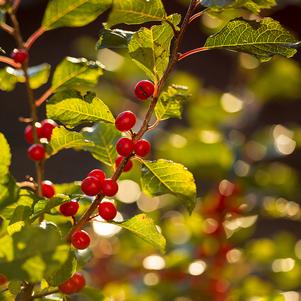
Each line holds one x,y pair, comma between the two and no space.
104,136
253,5
32,253
76,73
145,228
136,12
9,191
45,205
114,38
5,157
19,219
150,48
71,109
163,176
7,81
170,103
2,15
64,272
262,39
73,13
68,188
64,139
38,75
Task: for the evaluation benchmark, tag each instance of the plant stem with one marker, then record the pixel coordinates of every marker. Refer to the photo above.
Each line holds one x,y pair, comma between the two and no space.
8,61
44,97
7,28
34,37
191,52
31,99
145,126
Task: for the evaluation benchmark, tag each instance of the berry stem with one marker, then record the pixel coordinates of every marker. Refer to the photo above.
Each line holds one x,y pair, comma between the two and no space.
145,126
8,61
31,98
191,52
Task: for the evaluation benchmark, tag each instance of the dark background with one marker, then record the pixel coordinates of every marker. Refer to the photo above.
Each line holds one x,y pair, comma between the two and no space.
214,71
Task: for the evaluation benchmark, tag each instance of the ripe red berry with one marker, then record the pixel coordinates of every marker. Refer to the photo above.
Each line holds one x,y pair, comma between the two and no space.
28,132
73,285
125,121
142,148
69,208
109,187
79,280
107,211
124,146
3,279
80,240
91,186
19,55
128,166
47,127
36,152
48,190
97,173
144,89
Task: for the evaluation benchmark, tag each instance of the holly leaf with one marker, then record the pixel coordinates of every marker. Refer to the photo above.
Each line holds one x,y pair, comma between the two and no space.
71,109
262,39
104,136
76,73
167,177
64,139
32,253
114,38
254,6
145,228
38,75
72,13
5,157
150,48
136,12
170,103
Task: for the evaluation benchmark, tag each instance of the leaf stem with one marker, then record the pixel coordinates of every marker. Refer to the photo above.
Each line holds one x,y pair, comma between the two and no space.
30,95
9,61
191,52
30,41
44,97
145,126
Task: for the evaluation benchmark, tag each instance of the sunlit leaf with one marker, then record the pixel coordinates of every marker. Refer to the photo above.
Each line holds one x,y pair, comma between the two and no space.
114,38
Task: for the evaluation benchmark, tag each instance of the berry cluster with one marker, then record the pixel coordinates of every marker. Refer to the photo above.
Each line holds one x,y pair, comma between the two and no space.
36,152
73,285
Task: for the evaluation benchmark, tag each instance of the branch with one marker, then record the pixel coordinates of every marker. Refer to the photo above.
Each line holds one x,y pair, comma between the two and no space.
7,28
191,52
9,61
145,126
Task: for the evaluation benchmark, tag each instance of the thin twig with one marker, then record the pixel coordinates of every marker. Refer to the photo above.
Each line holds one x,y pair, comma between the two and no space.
158,87
9,61
34,37
191,52
44,97
7,28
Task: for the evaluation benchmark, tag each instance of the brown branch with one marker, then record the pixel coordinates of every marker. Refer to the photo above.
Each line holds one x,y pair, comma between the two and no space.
145,126
9,61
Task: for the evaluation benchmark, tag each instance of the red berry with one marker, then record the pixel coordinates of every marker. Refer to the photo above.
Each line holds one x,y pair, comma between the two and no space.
80,240
97,173
91,186
124,146
144,89
28,132
36,152
107,211
125,121
47,127
19,55
109,187
48,190
79,280
142,148
3,279
69,208
128,166
68,287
